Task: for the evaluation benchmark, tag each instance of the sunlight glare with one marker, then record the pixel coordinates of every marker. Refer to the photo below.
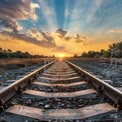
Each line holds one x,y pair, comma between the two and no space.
60,56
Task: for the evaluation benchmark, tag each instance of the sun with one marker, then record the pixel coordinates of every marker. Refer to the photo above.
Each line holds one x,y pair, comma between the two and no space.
61,55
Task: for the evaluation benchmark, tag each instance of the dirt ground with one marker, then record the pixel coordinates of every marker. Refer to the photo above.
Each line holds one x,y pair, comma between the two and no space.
8,64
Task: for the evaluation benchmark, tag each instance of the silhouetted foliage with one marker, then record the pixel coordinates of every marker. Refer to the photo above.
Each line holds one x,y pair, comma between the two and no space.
115,50
18,54
75,56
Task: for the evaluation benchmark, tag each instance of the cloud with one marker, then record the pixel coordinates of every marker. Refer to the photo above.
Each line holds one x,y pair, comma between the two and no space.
67,13
33,31
41,36
61,32
115,31
35,41
64,35
13,10
76,38
79,39
58,41
67,38
61,49
47,36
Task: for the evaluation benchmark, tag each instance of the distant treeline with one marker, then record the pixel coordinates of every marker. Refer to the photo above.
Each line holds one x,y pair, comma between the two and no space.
114,51
18,54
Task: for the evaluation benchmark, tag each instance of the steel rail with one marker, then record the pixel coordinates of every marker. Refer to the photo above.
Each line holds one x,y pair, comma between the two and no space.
114,94
9,91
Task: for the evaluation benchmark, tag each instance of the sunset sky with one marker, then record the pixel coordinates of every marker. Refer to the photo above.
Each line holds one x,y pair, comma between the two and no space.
57,27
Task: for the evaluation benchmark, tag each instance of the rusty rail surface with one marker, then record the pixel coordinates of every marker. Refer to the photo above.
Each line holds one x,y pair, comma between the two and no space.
114,94
9,91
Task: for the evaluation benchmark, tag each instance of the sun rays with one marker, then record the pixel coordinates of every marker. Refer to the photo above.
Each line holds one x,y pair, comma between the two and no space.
49,14
60,26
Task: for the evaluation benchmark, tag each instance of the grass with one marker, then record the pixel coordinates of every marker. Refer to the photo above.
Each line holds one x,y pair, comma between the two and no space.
8,64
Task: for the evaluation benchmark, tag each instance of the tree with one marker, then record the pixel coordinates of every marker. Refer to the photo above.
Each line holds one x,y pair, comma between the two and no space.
1,50
116,50
97,56
75,56
53,56
9,51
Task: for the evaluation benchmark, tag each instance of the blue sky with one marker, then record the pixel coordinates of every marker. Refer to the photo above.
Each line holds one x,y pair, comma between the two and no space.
90,18
76,15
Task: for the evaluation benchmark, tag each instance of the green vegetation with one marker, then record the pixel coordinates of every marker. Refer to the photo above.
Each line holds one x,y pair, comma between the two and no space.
18,54
96,54
114,51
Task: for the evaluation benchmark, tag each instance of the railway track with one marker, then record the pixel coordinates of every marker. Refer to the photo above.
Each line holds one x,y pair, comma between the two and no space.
58,92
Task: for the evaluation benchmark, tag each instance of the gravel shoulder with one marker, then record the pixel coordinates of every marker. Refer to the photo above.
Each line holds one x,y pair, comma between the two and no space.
13,69
110,73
